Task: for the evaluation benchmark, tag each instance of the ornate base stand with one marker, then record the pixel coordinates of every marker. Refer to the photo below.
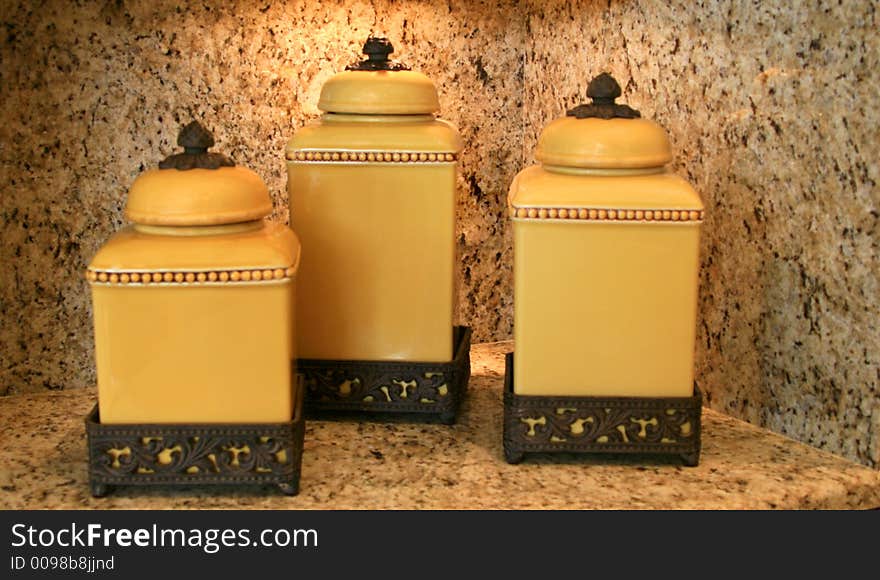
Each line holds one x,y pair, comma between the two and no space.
532,424
411,389
198,454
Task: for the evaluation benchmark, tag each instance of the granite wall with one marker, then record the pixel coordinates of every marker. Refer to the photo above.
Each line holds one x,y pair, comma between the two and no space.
772,111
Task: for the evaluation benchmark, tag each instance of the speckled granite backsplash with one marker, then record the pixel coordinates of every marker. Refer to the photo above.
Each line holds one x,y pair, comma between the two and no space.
772,111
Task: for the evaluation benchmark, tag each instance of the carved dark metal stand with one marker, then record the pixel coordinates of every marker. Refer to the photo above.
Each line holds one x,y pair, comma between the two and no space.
532,424
197,454
401,388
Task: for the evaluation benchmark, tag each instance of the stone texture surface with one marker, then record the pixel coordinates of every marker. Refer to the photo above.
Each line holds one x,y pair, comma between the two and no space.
771,108
370,465
772,113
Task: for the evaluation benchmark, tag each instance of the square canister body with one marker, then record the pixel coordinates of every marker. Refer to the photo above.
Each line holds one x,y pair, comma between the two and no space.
195,329
605,281
374,204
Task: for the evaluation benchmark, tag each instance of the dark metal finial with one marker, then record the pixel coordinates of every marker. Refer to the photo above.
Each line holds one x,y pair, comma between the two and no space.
603,90
377,49
195,140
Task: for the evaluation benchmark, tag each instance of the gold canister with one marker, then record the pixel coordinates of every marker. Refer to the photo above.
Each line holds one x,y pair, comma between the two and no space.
372,195
193,303
606,244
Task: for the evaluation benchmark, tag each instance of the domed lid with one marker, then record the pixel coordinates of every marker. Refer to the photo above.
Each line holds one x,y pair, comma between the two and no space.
379,86
196,188
604,134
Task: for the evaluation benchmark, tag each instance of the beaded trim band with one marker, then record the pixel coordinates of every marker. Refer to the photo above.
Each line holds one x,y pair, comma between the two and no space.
211,277
605,214
371,157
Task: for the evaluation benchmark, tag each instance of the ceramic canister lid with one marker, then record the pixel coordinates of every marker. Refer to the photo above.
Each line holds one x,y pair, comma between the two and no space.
197,188
379,86
603,134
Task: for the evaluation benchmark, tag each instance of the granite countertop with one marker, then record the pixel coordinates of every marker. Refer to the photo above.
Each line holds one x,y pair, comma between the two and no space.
350,465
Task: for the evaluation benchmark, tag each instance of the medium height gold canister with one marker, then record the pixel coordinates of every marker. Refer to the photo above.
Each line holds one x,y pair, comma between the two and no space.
194,331
606,246
372,195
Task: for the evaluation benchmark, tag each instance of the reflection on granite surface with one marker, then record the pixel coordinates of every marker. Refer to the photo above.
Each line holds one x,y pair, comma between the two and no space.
771,109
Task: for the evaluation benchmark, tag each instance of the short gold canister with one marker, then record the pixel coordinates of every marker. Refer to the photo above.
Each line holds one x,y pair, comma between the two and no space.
194,331
606,246
372,188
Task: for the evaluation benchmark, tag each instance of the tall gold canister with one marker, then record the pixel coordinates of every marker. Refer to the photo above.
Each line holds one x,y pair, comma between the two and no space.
372,188
606,245
194,331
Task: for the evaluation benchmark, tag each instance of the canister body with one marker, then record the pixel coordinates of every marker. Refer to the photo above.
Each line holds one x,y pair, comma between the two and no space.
605,276
193,327
373,200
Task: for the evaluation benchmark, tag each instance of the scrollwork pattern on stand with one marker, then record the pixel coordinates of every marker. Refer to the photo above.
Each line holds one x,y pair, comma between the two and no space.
153,457
601,426
662,425
389,386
